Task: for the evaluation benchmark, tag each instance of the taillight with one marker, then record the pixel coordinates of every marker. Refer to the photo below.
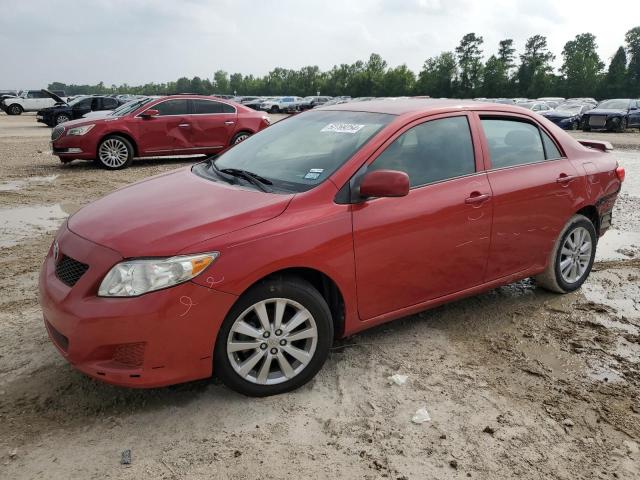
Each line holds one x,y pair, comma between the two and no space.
620,173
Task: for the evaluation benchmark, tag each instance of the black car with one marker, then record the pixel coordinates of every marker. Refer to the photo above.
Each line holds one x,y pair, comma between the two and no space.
567,116
65,111
312,102
613,115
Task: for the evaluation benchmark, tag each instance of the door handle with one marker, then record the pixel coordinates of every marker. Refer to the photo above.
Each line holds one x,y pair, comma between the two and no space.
229,122
184,125
564,178
477,197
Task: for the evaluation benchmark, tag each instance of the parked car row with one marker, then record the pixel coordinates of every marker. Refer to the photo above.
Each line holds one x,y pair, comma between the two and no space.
30,101
283,104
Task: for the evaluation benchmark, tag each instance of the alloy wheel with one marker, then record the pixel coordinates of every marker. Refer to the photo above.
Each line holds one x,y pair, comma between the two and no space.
241,138
272,341
113,153
575,255
61,119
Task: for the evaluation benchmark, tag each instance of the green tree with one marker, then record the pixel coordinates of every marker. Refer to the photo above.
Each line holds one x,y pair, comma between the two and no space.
495,81
221,82
581,66
534,76
470,64
438,75
632,39
183,85
398,81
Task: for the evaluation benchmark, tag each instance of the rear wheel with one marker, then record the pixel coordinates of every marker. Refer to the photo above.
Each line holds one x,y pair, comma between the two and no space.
14,109
274,109
275,339
240,137
115,152
572,257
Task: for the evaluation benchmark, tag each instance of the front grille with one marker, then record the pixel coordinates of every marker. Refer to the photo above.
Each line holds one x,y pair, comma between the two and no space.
59,339
69,270
56,133
597,120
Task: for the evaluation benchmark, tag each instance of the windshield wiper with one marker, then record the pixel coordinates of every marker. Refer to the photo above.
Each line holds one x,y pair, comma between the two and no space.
252,178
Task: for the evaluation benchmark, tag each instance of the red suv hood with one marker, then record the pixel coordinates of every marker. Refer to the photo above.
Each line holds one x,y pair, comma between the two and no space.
166,214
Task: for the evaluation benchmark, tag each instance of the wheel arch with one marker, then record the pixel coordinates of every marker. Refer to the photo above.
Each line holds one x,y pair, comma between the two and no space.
322,282
591,212
120,134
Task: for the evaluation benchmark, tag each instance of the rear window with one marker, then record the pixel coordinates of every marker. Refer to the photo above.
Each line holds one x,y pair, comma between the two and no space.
203,107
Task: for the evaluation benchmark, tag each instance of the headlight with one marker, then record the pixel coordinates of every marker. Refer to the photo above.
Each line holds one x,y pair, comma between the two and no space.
80,130
136,277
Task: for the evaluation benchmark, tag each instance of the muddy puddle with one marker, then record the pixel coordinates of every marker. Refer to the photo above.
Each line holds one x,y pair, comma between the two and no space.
22,183
21,223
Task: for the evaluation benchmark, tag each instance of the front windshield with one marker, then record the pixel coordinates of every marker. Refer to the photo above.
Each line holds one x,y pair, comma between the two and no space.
299,153
130,106
76,100
615,104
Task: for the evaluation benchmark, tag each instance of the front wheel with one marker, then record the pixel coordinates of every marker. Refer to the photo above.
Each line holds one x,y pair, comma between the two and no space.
62,118
14,109
275,339
115,152
572,257
274,109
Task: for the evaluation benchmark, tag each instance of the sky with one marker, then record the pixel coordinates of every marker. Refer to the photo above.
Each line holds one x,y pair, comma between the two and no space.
141,41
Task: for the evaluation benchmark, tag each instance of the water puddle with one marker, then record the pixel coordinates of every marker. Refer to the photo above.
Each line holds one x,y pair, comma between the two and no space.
16,185
618,245
601,372
20,223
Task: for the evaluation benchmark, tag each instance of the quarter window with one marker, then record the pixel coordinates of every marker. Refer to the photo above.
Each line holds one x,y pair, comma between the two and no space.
172,107
431,152
512,142
550,149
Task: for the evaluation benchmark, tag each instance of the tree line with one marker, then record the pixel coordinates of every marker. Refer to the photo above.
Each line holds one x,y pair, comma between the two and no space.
460,73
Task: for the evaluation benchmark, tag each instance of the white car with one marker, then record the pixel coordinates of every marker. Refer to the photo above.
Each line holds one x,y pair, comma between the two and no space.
281,104
29,101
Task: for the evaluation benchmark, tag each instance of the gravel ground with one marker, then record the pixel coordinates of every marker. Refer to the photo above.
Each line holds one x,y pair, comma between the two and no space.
518,382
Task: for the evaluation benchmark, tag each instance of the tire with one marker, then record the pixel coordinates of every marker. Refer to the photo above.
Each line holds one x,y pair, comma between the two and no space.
270,358
240,137
62,118
114,153
574,125
621,127
14,109
578,231
274,109
586,128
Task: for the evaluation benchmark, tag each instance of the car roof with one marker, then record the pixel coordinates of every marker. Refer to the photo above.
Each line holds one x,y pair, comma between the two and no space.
416,105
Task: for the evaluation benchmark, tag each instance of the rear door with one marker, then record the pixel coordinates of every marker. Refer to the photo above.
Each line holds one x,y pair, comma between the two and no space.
212,124
83,106
634,114
169,132
534,191
435,241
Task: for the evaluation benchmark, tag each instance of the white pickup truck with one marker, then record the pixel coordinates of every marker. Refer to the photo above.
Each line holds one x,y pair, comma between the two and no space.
29,101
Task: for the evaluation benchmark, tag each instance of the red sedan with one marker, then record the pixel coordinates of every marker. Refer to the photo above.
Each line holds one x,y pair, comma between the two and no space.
325,224
157,126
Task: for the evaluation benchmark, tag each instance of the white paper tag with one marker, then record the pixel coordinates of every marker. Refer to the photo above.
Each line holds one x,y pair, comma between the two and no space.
343,128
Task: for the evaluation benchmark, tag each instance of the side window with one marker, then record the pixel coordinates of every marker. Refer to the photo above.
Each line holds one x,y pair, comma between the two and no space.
226,108
33,94
86,103
109,103
431,152
550,149
172,107
512,142
206,106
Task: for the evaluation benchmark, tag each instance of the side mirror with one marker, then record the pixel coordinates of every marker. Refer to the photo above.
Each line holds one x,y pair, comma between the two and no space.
385,183
150,113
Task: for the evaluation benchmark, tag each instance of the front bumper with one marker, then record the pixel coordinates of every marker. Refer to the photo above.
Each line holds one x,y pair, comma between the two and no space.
157,339
68,148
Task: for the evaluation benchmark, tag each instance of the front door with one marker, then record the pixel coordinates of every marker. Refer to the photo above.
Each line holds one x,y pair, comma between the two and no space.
168,132
534,191
435,241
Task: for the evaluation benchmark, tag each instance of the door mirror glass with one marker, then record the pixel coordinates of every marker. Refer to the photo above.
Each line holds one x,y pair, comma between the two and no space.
385,183
150,113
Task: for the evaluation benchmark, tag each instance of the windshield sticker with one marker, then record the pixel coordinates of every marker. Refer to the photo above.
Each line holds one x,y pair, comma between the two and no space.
343,128
314,173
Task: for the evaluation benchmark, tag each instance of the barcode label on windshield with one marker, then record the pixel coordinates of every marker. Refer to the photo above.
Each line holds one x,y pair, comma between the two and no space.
342,128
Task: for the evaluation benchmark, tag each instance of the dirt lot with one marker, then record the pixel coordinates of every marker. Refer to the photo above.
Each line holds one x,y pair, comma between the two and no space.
519,383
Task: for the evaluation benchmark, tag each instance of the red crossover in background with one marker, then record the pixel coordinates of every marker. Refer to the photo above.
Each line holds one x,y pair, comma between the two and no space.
157,126
328,223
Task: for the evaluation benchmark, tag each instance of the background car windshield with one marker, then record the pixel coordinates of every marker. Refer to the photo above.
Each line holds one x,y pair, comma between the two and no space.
298,153
130,107
77,100
569,109
615,104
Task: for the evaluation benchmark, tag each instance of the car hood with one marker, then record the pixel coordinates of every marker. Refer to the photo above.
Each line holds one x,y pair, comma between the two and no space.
606,111
85,121
53,95
166,214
